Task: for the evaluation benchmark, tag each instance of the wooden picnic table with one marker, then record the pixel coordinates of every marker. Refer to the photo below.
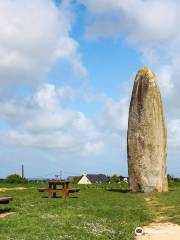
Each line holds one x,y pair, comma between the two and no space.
5,200
64,190
54,183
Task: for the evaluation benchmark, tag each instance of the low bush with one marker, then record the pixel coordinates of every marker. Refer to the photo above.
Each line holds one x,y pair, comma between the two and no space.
15,178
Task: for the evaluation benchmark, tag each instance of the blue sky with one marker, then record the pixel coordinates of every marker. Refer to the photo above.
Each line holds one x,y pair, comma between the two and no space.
66,73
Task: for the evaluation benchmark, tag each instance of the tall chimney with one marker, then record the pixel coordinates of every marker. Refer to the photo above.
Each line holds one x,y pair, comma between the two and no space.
22,171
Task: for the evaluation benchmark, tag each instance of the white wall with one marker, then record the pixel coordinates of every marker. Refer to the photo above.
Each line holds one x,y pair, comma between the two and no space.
84,180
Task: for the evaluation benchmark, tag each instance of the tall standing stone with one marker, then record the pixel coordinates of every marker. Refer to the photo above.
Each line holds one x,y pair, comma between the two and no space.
146,141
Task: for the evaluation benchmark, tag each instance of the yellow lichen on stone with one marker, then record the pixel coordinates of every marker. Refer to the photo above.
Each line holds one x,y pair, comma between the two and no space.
144,70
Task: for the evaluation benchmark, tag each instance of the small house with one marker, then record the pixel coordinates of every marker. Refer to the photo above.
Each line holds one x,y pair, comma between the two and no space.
125,179
93,178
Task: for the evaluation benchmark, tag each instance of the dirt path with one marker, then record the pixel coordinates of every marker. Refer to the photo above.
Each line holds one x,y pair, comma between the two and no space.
160,231
12,189
161,228
5,214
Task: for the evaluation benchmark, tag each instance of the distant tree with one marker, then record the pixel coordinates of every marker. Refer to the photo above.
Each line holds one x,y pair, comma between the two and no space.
75,179
115,178
15,178
121,178
170,178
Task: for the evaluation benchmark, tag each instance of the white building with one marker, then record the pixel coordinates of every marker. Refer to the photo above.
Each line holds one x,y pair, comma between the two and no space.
93,178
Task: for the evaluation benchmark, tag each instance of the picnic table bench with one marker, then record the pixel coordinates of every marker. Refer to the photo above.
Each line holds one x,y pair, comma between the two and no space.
64,191
52,190
5,200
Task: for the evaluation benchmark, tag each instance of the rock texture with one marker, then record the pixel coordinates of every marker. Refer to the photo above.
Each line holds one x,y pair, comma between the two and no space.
146,142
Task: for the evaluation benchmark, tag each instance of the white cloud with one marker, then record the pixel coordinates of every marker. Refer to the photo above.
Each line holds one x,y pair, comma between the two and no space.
165,80
33,35
114,117
47,97
91,148
174,133
42,122
152,27
141,20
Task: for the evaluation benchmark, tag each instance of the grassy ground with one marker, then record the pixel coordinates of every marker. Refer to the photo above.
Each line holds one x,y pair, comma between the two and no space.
165,206
97,212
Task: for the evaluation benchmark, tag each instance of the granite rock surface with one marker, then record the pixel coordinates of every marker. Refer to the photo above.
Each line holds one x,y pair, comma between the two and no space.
147,139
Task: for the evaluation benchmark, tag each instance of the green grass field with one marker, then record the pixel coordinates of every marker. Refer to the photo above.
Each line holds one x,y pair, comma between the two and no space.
97,212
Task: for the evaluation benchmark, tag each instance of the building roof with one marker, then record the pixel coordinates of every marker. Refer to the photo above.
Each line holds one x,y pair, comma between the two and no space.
70,178
97,178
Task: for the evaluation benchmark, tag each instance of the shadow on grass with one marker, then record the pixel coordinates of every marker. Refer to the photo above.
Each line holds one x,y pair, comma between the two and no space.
118,190
52,197
5,210
59,197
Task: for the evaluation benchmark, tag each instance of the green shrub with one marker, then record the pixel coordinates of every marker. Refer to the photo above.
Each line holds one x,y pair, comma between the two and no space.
115,179
75,179
15,178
